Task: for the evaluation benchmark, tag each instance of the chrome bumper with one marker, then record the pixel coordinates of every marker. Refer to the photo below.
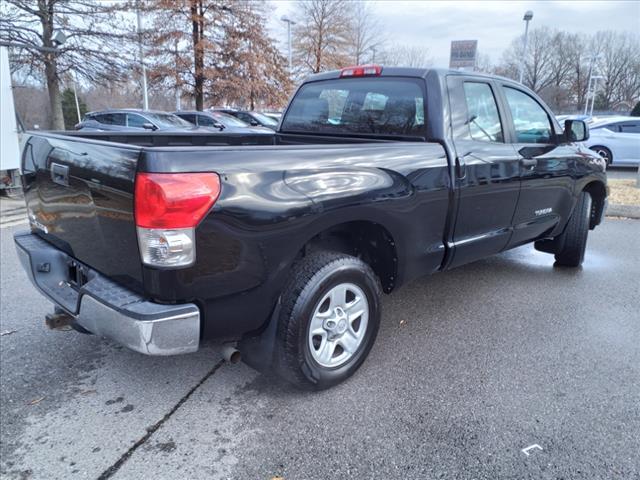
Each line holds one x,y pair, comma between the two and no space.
106,308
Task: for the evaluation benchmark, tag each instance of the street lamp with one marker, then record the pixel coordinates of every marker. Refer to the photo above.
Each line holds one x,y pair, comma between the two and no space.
528,16
289,22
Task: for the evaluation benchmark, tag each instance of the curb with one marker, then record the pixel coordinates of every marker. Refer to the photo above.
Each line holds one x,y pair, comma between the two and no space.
627,211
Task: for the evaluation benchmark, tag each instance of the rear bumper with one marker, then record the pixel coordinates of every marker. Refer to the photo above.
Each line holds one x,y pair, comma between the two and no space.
106,308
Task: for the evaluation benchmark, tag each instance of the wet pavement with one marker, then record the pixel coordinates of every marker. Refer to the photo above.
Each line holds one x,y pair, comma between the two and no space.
471,367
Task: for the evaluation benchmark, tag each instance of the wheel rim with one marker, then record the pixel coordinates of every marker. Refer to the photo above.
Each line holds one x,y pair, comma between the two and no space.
338,325
604,154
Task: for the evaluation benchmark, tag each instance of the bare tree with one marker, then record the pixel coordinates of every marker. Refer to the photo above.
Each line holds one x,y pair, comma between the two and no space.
93,28
406,56
321,36
365,35
617,62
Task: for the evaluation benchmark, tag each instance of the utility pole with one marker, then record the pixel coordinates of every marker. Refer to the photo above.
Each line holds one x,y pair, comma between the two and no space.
289,22
373,49
527,18
145,98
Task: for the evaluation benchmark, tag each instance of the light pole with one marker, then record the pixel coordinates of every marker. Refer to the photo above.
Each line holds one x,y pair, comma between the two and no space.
373,49
289,22
594,88
528,15
145,98
591,85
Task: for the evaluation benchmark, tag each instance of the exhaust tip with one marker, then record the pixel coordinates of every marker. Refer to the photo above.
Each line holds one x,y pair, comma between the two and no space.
231,354
59,320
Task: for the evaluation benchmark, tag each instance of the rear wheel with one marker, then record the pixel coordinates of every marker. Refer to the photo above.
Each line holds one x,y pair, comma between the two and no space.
572,243
604,152
328,321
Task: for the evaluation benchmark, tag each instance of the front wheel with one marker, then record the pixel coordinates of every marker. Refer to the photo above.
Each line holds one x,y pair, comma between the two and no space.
573,241
328,321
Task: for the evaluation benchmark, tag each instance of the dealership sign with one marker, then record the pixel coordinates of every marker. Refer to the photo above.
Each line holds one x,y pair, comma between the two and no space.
463,54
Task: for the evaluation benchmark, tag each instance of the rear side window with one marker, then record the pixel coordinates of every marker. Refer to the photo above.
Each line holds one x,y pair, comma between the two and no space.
111,118
629,127
529,118
385,106
484,120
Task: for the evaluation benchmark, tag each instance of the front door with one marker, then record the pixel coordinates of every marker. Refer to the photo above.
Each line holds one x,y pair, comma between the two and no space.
488,170
547,164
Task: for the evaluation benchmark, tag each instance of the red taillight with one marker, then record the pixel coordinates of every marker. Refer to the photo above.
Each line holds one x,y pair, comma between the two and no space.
174,200
361,71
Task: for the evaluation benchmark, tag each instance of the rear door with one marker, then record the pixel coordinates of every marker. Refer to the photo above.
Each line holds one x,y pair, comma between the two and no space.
488,170
628,142
546,166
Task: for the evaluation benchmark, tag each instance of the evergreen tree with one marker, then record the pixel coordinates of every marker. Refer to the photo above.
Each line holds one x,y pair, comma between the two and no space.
69,110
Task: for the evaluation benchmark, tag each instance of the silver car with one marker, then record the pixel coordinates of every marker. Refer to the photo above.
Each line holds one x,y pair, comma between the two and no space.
616,139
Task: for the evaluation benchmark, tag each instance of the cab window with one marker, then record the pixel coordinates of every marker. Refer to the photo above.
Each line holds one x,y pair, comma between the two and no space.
530,120
483,118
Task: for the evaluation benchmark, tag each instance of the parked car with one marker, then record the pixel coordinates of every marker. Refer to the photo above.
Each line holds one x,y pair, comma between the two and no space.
253,118
132,120
617,140
287,248
221,121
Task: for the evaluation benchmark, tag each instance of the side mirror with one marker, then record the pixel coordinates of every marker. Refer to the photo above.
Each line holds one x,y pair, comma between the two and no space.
149,126
218,125
254,123
576,131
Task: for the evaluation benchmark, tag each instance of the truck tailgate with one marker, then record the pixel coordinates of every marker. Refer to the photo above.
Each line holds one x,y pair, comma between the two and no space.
79,196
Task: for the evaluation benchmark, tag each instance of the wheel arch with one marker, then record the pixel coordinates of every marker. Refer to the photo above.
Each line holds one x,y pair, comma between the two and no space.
598,192
366,239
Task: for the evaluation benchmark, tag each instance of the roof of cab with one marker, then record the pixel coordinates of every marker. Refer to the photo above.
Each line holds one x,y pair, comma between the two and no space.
408,72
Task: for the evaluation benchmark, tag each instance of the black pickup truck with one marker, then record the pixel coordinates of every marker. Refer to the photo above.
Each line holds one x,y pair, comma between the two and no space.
375,176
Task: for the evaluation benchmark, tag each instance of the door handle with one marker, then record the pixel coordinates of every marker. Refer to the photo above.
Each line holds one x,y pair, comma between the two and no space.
60,174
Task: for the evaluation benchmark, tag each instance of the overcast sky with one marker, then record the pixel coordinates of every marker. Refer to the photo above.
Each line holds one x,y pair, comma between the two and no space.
494,24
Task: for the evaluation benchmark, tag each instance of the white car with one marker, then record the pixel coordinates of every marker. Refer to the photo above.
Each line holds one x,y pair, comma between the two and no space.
616,139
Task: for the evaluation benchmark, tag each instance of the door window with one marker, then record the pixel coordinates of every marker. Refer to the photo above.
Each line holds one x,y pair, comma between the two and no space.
111,118
134,120
530,120
205,121
483,118
629,127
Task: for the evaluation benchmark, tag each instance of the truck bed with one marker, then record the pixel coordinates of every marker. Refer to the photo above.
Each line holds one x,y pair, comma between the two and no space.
274,198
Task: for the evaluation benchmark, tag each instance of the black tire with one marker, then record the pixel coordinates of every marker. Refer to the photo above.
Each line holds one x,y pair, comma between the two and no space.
311,278
572,243
604,152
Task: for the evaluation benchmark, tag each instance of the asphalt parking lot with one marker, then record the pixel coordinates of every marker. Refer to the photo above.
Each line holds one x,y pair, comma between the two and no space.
470,367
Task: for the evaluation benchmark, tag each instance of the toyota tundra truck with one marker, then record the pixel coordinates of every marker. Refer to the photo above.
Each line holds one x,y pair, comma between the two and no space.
284,245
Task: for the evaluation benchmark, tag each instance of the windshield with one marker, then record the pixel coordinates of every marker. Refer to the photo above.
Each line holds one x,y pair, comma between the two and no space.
391,106
265,120
167,120
228,120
